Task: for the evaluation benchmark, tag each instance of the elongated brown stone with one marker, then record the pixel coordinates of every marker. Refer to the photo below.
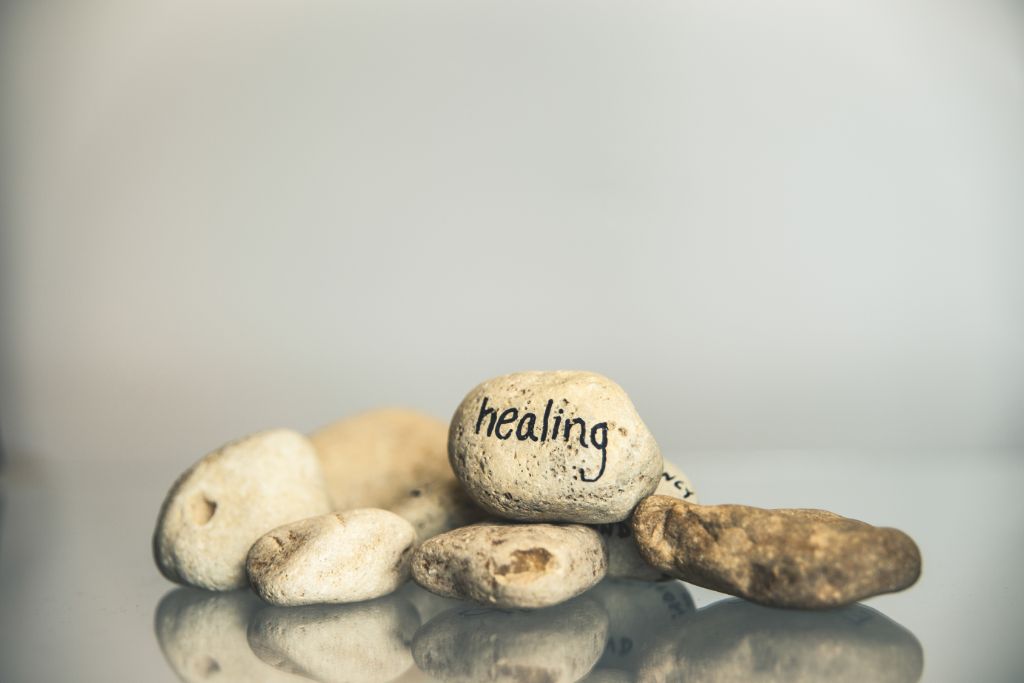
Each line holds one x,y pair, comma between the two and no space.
781,558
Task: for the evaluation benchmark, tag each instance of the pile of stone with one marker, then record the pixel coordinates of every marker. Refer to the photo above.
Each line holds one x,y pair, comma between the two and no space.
543,484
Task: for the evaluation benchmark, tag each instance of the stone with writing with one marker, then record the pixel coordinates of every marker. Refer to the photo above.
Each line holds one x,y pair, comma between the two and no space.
512,565
366,641
809,559
624,560
476,644
373,459
438,506
561,446
735,640
220,506
334,558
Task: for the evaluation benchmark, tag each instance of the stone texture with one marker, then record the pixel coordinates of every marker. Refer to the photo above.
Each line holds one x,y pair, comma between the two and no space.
219,507
438,506
733,640
783,558
624,560
364,642
334,558
509,446
375,458
483,644
203,638
511,565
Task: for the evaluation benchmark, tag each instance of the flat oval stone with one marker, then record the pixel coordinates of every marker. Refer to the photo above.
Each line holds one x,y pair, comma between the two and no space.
334,558
553,446
219,507
624,560
733,640
373,459
779,558
485,644
368,641
512,565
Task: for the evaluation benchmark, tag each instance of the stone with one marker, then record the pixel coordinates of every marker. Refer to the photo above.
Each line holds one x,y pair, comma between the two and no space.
367,641
220,506
807,559
638,613
333,558
553,446
375,458
624,560
511,565
486,644
733,640
203,637
438,506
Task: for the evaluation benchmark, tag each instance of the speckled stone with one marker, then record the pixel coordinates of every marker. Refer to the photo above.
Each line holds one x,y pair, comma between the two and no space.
438,506
375,458
219,507
334,558
782,558
484,645
512,565
367,641
553,446
624,560
733,640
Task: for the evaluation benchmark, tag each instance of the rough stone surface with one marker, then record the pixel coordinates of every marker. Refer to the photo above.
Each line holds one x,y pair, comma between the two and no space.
334,558
203,638
782,558
624,560
368,641
512,565
732,640
219,507
483,644
438,506
375,458
509,446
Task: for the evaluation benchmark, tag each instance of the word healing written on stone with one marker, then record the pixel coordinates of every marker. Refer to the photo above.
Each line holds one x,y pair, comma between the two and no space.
524,427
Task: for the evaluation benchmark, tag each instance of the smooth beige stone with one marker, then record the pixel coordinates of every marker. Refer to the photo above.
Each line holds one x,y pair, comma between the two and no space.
733,640
220,506
334,558
624,559
436,507
375,458
512,565
484,644
509,447
203,638
807,559
367,642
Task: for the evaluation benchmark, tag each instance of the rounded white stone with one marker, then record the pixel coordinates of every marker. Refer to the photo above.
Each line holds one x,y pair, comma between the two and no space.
553,446
361,643
624,560
512,565
334,558
483,644
373,459
219,507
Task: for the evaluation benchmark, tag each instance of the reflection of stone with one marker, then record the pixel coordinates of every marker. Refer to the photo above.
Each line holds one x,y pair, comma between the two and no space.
638,612
366,641
560,643
428,604
202,635
733,640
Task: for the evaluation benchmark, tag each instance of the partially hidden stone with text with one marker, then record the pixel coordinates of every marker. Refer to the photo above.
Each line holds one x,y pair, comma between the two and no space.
809,559
558,446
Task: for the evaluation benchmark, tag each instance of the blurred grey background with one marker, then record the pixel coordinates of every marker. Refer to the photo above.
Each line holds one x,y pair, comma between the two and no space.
779,225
